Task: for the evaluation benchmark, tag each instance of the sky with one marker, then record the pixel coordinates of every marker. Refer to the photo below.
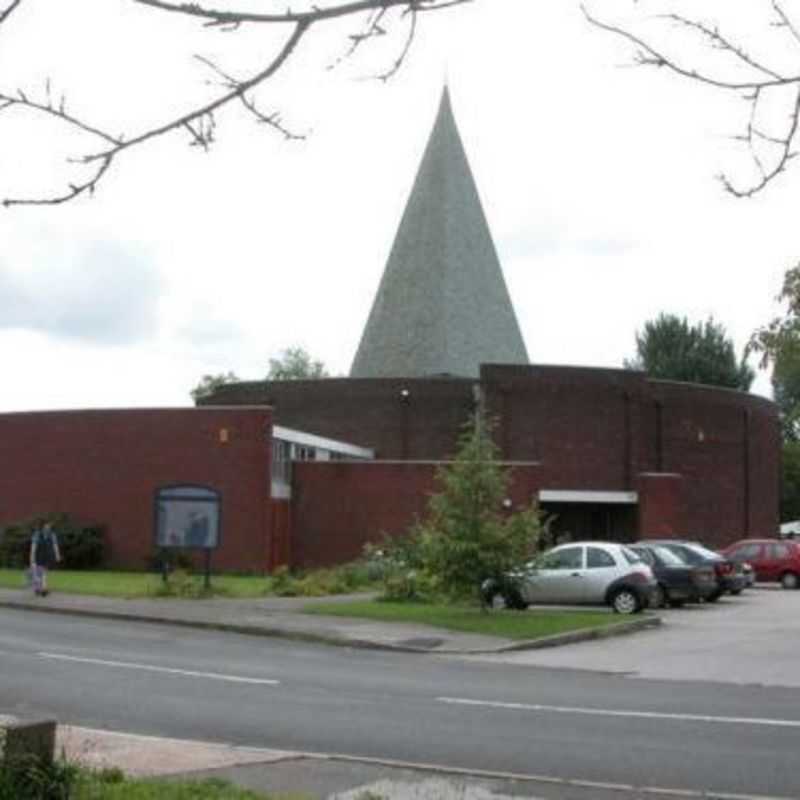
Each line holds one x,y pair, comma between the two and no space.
597,179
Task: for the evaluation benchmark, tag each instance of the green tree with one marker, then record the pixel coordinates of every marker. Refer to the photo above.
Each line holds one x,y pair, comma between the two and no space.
672,349
295,364
467,534
210,383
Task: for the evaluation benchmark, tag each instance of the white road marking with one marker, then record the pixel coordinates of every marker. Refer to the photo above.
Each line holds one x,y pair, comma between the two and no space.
606,712
169,670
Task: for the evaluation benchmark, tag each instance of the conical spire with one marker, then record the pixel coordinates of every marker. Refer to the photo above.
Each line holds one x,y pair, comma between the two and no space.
442,306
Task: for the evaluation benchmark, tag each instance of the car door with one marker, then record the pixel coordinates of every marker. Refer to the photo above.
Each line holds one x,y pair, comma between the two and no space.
601,570
558,577
775,561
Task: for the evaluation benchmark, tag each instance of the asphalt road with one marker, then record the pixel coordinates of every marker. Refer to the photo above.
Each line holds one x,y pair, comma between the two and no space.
435,710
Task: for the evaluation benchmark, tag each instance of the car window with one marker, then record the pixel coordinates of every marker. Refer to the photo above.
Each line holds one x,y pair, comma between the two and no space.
597,558
703,551
685,553
630,556
568,558
778,551
669,558
645,554
746,552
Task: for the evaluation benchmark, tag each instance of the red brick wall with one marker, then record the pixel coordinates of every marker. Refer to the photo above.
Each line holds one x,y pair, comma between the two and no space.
660,506
589,429
422,425
337,507
105,466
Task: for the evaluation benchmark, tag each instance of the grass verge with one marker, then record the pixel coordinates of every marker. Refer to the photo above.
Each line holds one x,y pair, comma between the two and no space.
113,786
470,619
62,780
131,584
104,583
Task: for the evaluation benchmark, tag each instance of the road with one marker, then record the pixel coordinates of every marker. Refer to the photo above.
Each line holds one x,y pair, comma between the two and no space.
435,710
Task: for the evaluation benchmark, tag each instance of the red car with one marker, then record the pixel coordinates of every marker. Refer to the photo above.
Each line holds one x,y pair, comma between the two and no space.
772,559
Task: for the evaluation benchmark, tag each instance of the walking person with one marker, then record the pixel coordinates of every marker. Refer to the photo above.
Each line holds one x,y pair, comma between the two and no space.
44,553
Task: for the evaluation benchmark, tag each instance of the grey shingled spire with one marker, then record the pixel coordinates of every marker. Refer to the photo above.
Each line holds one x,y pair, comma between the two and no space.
442,306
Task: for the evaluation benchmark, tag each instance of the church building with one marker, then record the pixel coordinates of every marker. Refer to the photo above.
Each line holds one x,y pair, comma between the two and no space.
306,472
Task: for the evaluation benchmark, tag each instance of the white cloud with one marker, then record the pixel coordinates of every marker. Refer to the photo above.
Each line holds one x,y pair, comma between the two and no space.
98,292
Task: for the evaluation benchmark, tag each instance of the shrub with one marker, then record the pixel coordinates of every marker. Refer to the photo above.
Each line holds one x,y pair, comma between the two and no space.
82,546
29,778
467,534
170,557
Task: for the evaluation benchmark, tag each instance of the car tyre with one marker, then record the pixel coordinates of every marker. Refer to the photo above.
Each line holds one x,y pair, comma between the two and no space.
712,598
789,580
514,600
736,591
625,601
676,603
659,598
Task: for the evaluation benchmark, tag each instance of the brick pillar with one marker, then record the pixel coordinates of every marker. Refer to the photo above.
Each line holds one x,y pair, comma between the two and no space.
661,509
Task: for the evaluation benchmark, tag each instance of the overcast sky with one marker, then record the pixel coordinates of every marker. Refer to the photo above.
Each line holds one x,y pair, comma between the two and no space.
597,180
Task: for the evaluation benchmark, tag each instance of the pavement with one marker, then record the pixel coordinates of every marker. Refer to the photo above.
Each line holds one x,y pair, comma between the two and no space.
284,617
311,775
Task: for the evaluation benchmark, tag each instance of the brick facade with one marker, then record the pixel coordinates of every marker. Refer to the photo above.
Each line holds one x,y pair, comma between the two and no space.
704,461
104,467
587,429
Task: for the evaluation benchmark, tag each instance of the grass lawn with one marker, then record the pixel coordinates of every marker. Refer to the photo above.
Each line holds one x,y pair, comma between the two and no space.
95,787
132,584
470,619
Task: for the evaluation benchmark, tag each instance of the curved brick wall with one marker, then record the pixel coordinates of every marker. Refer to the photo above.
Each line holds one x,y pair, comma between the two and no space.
705,460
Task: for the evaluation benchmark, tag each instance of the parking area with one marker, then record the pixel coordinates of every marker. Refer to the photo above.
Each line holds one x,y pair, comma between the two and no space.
752,638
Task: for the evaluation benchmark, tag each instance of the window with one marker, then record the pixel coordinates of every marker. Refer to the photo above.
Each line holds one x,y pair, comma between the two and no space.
597,558
747,552
645,554
304,453
779,552
630,556
666,557
568,558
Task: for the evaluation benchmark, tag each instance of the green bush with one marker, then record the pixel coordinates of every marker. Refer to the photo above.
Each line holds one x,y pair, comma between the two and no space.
170,557
319,582
82,546
29,778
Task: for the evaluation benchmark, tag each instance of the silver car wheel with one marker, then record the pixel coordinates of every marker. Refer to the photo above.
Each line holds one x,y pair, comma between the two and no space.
498,601
625,602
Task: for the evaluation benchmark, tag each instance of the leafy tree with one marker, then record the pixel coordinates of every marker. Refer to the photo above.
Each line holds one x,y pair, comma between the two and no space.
786,391
210,383
790,481
467,535
672,349
295,364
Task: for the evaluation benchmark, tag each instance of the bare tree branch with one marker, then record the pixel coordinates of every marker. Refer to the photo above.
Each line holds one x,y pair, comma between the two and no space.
200,122
8,10
764,147
785,22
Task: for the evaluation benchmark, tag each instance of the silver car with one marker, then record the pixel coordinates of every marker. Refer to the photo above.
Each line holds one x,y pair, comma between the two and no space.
596,573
